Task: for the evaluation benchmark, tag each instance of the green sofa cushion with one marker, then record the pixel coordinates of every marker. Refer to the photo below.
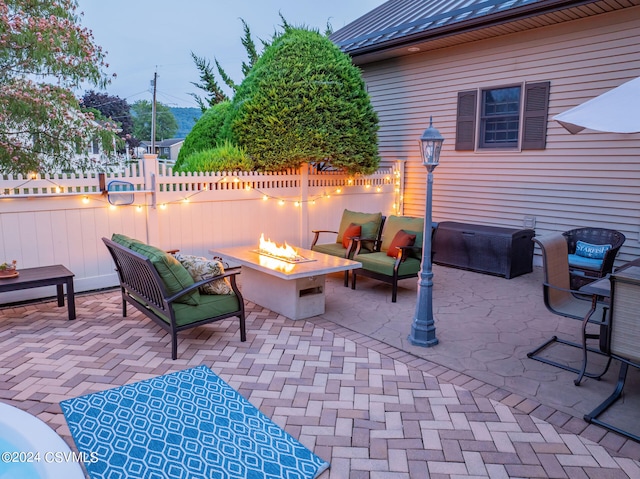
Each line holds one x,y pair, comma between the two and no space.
124,240
211,305
174,276
383,264
370,223
410,224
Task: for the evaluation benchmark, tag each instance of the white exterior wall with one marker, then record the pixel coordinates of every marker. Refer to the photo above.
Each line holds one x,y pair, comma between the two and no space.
589,179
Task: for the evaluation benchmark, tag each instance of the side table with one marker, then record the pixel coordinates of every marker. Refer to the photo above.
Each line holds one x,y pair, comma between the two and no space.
56,275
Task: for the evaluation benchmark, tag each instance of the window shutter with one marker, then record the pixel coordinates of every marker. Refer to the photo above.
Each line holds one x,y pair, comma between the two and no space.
536,106
466,120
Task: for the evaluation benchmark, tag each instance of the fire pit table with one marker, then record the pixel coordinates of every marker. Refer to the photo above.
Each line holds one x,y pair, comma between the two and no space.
294,288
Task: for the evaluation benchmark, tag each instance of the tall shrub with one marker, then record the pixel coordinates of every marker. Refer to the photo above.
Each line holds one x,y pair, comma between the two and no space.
304,101
205,134
225,157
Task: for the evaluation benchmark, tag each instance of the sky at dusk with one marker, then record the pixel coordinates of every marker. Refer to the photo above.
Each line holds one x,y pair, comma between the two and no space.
142,37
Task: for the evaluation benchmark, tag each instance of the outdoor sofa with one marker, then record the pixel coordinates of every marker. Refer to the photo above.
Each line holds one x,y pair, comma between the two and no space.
159,286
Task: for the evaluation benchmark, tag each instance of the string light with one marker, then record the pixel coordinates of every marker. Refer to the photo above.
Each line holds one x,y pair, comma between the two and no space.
31,177
86,199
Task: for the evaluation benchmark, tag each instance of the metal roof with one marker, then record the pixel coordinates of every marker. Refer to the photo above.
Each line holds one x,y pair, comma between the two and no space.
400,18
403,22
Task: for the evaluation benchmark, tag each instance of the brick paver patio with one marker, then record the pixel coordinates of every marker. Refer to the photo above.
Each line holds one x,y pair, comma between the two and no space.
370,408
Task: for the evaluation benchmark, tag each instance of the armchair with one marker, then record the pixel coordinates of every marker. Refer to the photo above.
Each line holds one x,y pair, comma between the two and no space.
592,252
397,255
366,227
561,300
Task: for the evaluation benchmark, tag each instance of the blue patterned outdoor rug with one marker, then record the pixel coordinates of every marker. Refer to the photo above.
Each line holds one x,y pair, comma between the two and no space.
190,424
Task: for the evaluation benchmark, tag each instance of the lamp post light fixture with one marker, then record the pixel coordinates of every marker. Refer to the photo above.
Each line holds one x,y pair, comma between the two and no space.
423,329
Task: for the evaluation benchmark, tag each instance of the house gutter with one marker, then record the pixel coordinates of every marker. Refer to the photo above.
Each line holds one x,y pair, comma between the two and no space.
465,26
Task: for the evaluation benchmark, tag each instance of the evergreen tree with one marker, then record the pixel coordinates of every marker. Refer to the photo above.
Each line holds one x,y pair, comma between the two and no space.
208,82
304,101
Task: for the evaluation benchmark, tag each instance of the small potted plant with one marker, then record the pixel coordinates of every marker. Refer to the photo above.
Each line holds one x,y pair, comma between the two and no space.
8,269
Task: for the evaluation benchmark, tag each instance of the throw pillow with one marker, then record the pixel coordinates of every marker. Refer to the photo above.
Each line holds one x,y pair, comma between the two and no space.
595,251
201,268
352,230
402,238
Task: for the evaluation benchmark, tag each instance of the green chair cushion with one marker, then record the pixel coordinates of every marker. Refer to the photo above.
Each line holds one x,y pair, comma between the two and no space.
383,264
362,219
369,230
174,276
333,249
410,224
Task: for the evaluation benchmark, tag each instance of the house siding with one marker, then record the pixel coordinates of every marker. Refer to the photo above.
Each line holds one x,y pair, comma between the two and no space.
589,179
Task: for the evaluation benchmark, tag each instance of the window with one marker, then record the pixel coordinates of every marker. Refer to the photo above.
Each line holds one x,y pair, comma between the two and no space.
500,118
95,147
504,120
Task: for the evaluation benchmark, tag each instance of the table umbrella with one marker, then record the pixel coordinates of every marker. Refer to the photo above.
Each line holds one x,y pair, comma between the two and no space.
616,111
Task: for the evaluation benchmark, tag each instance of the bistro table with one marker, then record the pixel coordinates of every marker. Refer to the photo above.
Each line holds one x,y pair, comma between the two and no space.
56,275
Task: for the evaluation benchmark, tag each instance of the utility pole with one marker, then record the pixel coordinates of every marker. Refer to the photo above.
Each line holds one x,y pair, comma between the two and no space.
154,82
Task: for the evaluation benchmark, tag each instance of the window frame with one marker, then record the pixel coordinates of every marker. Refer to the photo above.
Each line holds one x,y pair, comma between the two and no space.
483,117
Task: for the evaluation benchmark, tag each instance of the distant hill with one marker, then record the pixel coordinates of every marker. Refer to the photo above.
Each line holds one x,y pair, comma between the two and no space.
186,118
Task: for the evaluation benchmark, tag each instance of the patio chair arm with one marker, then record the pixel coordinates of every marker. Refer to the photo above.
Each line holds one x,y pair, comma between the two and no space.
317,235
403,252
231,275
358,243
576,293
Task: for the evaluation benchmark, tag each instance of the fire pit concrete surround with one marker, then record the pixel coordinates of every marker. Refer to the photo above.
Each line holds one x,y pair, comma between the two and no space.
293,289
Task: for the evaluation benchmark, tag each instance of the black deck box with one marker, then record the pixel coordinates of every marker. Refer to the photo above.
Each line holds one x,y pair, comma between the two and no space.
495,250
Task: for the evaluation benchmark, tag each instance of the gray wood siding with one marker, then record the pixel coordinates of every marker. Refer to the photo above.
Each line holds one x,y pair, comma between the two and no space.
588,179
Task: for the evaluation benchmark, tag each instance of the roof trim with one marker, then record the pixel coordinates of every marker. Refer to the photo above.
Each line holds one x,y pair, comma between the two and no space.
475,23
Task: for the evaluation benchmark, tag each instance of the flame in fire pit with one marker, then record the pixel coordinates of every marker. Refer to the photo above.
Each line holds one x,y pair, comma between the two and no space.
285,252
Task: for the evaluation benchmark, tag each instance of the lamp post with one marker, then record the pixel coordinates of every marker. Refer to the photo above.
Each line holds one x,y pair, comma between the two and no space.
423,330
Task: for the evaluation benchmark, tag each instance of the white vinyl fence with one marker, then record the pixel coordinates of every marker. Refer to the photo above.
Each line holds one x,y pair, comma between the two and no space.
60,219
